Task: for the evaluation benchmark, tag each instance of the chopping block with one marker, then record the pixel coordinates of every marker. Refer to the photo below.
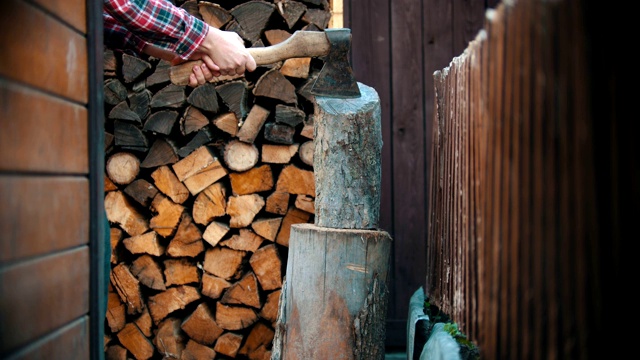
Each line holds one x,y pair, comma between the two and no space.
333,303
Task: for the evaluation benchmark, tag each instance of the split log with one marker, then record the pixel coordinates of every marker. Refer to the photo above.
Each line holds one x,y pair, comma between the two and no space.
214,14
128,288
140,102
161,122
258,339
277,203
123,112
135,342
276,36
130,137
180,272
162,152
279,133
202,137
228,344
168,215
289,115
252,17
201,326
294,180
293,216
266,264
243,208
210,203
148,243
243,292
187,241
160,74
133,67
167,182
119,210
254,180
291,11
234,317
171,96
269,311
169,340
267,227
213,286
253,124
199,169
193,120
214,232
144,322
114,91
170,300
148,272
116,312
235,96
196,351
296,68
305,203
227,122
141,191
224,263
275,86
348,148
278,154
205,98
247,240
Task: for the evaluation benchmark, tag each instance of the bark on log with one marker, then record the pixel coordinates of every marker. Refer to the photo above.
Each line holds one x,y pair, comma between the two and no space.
350,268
348,147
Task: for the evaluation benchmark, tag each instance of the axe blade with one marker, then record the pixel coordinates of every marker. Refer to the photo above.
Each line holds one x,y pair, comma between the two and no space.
336,76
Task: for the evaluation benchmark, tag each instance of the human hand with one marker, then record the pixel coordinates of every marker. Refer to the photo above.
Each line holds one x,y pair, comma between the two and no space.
224,53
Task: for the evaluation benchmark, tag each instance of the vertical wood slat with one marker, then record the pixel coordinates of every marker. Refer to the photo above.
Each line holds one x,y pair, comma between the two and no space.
408,150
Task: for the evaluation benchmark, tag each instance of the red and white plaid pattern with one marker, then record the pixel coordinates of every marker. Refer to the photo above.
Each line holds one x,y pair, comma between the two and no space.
129,24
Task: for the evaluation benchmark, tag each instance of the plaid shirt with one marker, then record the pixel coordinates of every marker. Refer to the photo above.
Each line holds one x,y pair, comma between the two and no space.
131,24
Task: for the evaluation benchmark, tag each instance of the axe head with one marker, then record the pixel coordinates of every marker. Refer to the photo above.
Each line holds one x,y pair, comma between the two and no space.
336,76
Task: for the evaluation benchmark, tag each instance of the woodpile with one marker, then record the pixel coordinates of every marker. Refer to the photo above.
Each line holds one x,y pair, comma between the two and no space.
202,187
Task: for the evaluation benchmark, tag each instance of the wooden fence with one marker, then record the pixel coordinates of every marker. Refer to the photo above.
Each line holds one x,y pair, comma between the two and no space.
525,195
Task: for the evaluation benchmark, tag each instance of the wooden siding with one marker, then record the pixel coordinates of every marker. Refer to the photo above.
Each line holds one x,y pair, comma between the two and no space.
396,48
46,250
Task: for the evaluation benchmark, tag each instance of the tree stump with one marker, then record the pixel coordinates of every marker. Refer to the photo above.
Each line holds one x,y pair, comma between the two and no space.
346,161
334,299
336,293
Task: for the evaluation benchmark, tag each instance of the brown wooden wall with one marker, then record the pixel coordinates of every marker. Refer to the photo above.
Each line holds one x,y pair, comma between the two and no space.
397,45
534,174
47,211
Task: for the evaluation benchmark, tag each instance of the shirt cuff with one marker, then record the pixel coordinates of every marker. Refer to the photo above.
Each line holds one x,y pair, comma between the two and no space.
195,32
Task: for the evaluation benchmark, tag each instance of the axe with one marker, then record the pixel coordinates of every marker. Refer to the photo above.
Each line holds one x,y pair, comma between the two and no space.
336,76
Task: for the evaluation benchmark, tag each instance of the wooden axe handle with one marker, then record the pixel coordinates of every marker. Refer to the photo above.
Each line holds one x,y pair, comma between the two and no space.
300,44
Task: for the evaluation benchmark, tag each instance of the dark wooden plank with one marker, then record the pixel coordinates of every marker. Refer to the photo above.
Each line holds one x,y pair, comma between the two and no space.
526,304
467,19
40,133
40,215
370,51
72,11
409,182
69,342
42,295
61,62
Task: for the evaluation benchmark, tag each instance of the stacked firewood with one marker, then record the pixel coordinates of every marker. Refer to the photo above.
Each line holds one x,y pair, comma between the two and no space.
202,186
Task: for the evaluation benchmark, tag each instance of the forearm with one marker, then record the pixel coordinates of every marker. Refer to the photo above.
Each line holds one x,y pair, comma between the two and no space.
160,23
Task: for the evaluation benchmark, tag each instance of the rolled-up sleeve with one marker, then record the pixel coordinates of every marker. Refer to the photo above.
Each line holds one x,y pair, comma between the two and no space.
160,23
